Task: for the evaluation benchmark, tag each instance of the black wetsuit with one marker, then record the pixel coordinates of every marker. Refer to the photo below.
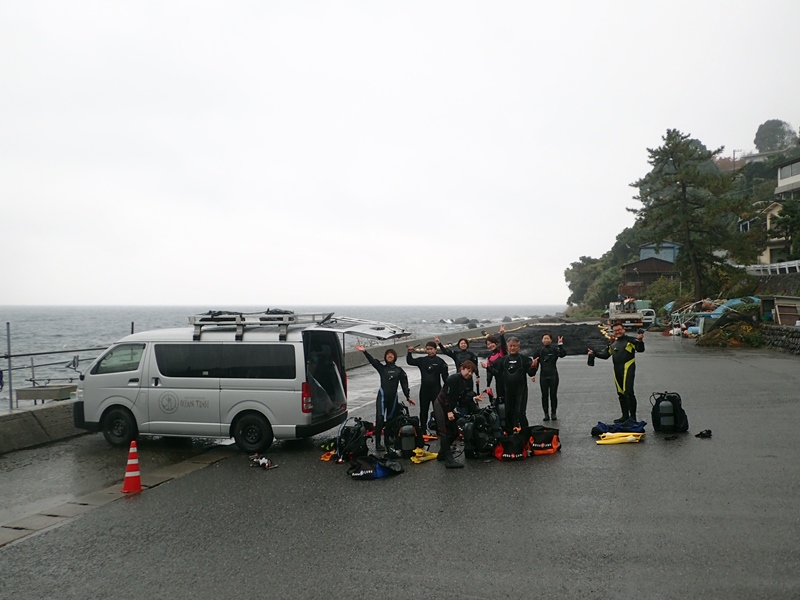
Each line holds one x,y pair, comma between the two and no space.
623,351
548,379
457,391
387,405
513,370
498,354
459,356
433,373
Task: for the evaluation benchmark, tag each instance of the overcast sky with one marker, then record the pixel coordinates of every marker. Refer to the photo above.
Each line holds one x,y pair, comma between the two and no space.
278,153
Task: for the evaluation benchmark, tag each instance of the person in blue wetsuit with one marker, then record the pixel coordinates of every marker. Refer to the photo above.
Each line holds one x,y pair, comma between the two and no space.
545,358
433,374
387,405
623,350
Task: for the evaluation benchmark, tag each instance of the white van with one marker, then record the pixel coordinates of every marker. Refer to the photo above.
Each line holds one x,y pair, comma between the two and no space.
250,376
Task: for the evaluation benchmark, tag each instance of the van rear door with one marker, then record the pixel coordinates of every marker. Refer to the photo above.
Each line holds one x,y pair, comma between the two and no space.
325,388
326,380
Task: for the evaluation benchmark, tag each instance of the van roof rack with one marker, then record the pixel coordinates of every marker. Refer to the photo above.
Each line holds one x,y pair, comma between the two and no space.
274,316
283,319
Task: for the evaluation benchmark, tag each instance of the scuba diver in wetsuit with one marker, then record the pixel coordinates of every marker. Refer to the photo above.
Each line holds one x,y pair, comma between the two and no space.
498,349
387,405
513,370
433,373
457,391
460,355
623,350
546,357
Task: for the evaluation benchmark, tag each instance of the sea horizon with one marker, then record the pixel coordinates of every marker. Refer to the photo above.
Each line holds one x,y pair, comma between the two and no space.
58,329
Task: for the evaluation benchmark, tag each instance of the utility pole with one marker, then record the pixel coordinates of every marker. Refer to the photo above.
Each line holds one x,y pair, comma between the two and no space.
734,156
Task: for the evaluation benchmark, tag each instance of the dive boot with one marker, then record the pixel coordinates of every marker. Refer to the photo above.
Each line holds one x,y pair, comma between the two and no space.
449,461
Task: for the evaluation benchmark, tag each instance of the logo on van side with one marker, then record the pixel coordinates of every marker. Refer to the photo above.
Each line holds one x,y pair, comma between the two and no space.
168,403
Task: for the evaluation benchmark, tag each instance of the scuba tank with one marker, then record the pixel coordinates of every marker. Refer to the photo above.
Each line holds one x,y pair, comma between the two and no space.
500,407
666,415
408,441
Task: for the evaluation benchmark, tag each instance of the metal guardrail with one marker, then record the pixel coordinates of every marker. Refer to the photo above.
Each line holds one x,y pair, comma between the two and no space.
780,268
33,379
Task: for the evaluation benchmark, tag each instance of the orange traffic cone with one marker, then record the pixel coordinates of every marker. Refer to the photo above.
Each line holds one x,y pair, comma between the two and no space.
133,482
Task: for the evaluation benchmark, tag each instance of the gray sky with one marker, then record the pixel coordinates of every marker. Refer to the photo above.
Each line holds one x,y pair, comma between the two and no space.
277,153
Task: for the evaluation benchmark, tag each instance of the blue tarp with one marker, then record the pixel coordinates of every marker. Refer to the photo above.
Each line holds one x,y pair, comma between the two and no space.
718,312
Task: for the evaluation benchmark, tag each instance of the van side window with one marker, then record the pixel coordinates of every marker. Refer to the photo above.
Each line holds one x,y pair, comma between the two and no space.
258,361
188,360
122,358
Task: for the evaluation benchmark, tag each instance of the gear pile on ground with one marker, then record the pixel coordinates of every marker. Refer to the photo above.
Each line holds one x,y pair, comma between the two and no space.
736,327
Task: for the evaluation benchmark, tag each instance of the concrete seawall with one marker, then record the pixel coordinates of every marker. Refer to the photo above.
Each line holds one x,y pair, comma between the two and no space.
37,425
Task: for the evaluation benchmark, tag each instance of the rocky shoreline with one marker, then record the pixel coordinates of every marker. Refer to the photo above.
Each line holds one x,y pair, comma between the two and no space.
475,323
577,337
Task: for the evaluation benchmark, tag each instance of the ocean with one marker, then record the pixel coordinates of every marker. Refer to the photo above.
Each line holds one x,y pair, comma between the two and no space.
63,328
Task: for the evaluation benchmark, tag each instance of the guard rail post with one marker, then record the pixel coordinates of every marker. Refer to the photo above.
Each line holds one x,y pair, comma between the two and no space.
10,377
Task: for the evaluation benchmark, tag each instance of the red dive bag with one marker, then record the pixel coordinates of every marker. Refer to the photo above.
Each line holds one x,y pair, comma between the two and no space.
543,440
512,447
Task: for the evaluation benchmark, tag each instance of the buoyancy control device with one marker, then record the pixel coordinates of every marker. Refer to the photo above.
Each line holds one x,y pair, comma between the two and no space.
667,413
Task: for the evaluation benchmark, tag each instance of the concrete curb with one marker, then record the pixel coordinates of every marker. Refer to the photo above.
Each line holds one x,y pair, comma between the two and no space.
37,425
49,518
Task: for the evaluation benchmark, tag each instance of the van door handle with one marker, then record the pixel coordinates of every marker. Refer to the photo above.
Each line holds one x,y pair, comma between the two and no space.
134,380
155,382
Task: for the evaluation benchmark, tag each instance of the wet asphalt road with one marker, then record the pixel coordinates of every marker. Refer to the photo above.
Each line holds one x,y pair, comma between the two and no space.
38,479
693,518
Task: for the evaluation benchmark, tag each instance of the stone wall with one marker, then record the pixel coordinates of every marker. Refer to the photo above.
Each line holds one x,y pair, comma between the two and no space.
781,337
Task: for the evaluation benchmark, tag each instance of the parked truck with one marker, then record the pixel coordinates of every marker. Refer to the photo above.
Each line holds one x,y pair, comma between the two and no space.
631,313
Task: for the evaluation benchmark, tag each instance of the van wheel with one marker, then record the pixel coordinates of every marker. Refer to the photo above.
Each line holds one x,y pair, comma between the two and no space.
119,427
252,433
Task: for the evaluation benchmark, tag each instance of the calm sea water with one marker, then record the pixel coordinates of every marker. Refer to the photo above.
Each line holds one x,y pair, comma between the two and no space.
56,328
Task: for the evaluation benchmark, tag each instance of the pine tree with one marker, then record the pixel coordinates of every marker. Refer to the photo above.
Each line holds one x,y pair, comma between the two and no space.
686,199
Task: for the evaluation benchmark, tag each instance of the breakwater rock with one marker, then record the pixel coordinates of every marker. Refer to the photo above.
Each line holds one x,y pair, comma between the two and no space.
577,337
780,337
